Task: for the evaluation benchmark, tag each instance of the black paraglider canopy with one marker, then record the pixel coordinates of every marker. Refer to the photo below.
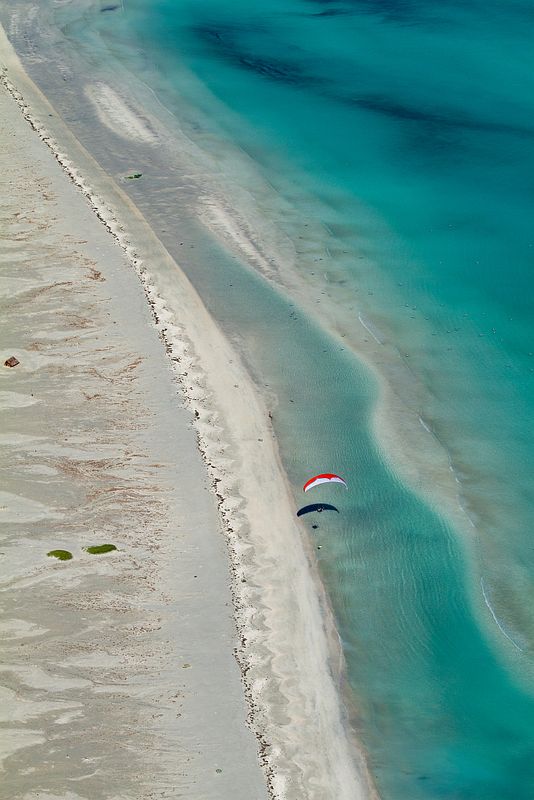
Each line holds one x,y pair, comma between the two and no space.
316,507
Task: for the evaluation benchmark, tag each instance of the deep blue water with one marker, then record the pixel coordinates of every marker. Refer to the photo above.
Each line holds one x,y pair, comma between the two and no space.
405,130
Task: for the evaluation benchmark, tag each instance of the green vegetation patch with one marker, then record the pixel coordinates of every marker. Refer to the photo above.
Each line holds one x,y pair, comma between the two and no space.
63,555
97,549
134,176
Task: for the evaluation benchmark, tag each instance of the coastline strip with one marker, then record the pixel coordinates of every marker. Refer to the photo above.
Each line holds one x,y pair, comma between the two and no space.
118,678
286,649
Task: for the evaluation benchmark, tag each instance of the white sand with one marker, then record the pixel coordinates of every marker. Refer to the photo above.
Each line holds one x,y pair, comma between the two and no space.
148,627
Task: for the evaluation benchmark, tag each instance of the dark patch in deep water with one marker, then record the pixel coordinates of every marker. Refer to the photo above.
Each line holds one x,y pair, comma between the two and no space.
223,40
446,118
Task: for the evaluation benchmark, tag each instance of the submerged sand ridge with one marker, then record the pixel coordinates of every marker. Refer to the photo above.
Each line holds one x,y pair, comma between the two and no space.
117,675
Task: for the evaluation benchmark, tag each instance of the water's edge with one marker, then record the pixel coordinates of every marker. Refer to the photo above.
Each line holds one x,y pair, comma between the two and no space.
321,763
402,537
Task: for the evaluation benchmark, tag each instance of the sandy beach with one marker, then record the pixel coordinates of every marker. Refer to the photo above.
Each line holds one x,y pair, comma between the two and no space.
198,658
118,678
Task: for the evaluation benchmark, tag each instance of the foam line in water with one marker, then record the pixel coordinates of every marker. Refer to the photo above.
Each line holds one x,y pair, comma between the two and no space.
369,330
492,612
425,426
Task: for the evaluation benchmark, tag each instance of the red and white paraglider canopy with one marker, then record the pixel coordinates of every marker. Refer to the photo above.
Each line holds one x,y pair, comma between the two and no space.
325,477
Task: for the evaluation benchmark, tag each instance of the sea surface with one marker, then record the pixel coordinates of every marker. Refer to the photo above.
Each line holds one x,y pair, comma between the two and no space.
389,151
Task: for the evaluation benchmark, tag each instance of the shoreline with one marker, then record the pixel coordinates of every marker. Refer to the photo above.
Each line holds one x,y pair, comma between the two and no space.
140,118
383,600
237,499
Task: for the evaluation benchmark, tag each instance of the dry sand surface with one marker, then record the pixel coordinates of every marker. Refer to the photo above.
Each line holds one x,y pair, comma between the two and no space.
117,674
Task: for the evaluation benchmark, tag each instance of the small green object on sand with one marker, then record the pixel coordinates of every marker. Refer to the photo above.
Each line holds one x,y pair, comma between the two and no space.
62,555
134,176
96,549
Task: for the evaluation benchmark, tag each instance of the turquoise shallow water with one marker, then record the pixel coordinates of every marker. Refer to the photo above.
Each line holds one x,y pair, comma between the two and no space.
411,126
439,714
405,131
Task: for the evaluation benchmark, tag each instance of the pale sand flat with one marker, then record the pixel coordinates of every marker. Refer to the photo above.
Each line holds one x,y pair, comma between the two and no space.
117,677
